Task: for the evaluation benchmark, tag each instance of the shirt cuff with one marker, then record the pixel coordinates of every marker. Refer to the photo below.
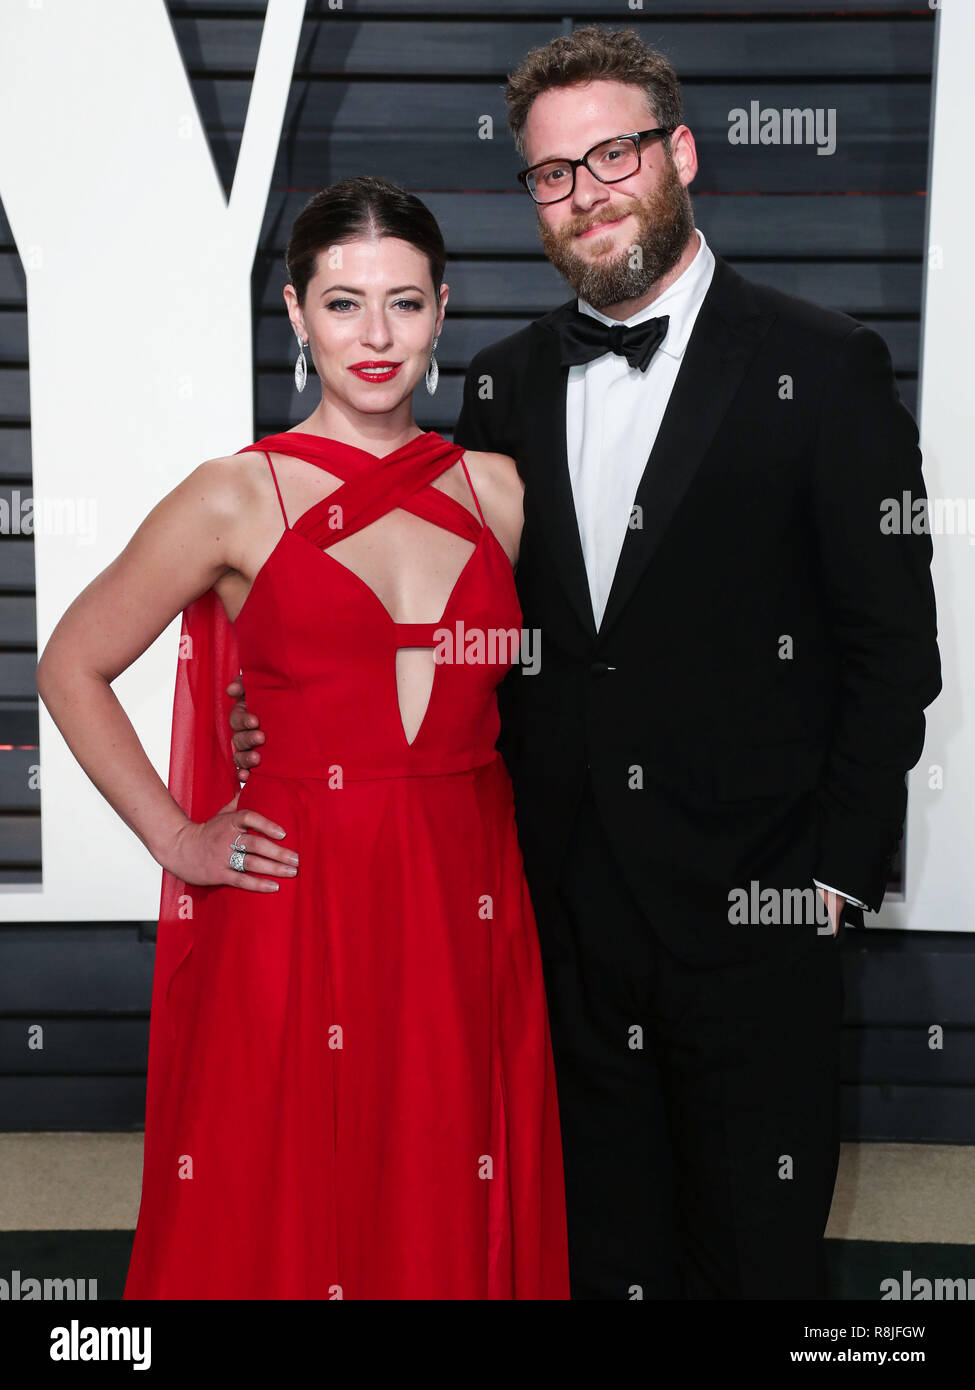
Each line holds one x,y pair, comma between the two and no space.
854,902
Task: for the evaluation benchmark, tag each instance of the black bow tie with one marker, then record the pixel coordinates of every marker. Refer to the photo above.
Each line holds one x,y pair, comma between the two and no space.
584,338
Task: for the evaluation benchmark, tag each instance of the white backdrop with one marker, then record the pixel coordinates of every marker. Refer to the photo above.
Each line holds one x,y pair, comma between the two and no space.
139,319
940,835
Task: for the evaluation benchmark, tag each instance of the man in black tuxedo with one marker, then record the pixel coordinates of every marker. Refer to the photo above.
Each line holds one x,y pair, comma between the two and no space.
734,667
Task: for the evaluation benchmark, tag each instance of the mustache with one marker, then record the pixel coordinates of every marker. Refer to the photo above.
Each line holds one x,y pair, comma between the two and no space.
611,216
584,224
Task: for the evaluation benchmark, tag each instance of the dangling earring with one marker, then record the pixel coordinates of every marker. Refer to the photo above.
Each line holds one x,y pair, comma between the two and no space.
433,371
301,367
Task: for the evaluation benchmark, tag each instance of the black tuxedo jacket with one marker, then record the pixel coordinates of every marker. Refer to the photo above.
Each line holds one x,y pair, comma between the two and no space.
754,696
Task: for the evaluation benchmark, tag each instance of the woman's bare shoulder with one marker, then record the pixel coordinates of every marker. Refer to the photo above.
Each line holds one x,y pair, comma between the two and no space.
229,483
499,490
229,470
499,472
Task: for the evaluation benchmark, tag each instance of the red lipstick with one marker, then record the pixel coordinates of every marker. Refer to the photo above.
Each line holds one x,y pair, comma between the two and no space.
375,371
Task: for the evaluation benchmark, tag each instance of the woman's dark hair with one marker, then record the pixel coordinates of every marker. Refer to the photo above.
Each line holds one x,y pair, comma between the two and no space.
364,206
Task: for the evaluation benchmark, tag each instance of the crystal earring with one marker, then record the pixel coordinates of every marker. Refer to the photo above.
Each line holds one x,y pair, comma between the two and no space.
433,371
301,367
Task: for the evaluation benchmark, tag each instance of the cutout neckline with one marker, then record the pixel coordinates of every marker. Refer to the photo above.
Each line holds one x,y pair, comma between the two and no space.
300,525
342,444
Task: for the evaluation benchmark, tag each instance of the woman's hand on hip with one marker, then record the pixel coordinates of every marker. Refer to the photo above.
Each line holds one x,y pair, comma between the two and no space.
200,852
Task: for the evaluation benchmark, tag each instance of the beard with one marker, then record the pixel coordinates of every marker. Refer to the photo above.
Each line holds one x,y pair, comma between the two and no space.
665,222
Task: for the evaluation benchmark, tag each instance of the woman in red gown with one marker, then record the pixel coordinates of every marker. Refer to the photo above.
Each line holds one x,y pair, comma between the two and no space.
351,1091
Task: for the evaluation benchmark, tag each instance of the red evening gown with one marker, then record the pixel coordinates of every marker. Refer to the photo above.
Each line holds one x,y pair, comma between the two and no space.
351,1090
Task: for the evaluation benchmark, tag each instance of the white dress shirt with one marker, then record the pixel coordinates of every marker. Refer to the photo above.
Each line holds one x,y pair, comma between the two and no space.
612,417
613,412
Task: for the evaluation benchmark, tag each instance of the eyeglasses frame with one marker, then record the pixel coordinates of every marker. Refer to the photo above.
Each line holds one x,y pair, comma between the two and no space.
656,132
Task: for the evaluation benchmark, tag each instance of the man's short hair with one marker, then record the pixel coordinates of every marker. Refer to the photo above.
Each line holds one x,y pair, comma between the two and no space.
593,54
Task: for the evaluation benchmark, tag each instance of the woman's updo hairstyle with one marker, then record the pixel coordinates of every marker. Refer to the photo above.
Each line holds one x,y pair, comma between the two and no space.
364,206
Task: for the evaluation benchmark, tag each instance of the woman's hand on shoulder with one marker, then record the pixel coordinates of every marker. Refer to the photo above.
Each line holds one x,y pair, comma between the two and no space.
500,491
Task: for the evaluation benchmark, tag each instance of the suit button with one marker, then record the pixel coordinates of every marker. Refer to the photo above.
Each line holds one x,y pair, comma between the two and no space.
599,668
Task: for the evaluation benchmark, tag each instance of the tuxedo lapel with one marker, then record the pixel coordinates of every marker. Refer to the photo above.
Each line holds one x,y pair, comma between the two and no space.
728,329
549,503
726,332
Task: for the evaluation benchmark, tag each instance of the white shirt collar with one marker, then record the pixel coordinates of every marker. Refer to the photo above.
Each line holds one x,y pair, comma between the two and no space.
681,300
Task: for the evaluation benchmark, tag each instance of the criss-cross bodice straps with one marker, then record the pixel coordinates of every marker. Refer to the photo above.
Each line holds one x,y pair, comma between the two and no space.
370,488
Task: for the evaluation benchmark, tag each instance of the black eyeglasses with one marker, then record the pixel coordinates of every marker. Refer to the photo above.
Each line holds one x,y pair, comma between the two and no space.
610,161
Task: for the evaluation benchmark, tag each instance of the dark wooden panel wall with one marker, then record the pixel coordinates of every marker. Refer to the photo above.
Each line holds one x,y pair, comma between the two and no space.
398,87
